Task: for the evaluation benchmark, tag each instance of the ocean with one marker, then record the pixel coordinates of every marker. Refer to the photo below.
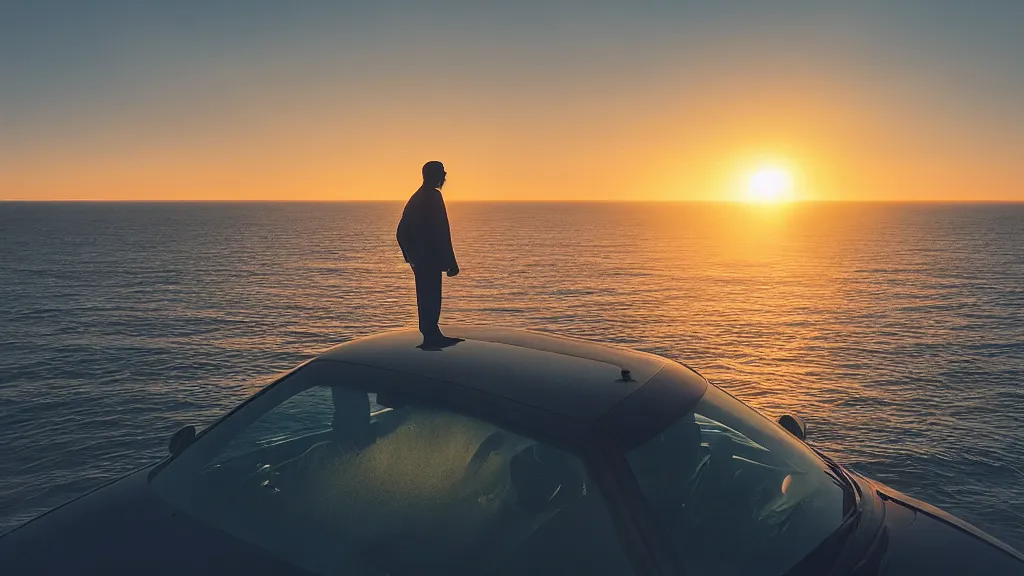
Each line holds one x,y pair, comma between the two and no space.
895,330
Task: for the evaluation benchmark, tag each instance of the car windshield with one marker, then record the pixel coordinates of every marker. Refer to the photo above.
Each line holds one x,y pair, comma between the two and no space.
348,481
735,492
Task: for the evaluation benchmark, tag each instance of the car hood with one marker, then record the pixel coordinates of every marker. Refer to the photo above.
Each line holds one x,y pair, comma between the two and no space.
124,528
918,538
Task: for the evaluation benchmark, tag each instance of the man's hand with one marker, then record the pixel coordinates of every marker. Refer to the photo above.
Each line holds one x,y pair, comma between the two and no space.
453,271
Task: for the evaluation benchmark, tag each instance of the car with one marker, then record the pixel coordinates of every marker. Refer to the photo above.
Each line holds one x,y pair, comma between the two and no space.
509,453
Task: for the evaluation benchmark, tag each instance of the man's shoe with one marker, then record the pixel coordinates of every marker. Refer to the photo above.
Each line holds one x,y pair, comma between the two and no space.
438,341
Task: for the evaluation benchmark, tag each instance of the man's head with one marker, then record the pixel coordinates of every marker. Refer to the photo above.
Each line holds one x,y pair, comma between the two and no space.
434,174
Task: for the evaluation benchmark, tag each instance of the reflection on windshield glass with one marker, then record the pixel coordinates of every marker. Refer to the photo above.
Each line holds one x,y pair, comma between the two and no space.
736,493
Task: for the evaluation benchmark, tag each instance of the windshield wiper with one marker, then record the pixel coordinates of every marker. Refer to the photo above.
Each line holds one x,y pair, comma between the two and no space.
849,493
851,496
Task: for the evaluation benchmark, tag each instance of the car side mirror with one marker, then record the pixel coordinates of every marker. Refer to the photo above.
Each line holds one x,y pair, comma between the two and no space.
181,439
794,425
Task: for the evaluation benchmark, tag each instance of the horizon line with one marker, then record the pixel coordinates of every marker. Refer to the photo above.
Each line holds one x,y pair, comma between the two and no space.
505,201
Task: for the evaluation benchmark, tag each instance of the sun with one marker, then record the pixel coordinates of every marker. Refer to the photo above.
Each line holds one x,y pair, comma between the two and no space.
769,184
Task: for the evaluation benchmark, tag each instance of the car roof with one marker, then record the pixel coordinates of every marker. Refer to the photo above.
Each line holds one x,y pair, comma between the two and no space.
574,378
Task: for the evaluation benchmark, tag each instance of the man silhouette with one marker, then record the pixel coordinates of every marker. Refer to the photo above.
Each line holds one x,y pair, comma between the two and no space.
426,241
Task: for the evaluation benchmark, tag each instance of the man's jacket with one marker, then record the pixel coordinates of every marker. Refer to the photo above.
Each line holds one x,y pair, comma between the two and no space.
424,233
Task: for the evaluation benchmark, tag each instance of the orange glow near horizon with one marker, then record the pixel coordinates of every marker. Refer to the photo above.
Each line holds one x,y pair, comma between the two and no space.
654,166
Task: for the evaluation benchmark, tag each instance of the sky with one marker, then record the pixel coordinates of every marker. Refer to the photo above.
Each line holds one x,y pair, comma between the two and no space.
527,100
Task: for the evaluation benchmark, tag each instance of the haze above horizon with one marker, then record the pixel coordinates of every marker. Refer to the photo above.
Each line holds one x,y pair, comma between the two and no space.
766,101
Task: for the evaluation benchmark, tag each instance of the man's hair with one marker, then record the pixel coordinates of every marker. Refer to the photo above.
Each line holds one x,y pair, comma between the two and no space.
432,172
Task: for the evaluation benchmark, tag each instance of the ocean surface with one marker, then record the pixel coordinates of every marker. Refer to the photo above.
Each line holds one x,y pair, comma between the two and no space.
896,331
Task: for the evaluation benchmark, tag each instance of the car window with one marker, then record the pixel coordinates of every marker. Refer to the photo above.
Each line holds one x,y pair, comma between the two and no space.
736,493
335,483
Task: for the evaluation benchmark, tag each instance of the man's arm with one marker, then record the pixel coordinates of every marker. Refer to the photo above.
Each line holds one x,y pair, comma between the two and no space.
446,241
401,236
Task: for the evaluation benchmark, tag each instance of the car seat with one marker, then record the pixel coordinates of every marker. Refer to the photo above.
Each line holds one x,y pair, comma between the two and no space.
573,533
666,464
